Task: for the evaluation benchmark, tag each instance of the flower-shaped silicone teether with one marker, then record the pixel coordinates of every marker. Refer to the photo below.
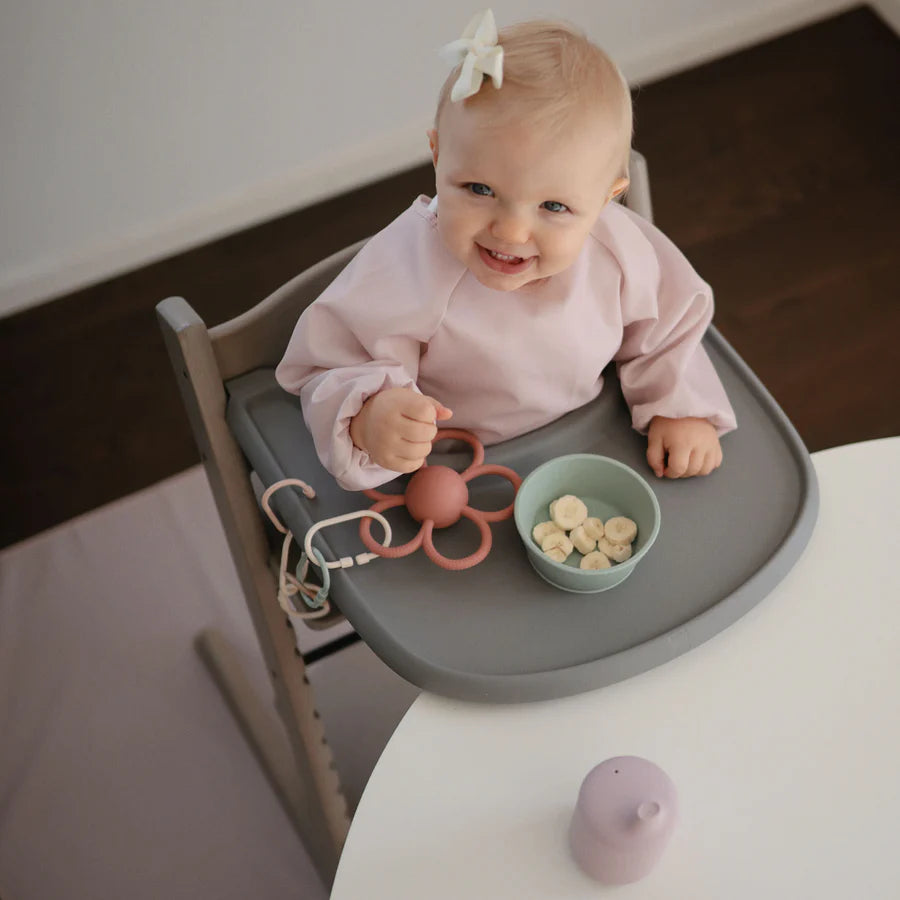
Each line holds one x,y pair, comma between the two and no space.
438,496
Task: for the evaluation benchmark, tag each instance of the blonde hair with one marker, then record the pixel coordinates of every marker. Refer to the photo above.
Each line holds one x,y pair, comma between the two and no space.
553,74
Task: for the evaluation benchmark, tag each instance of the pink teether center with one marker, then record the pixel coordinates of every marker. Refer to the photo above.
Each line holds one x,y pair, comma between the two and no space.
437,497
438,493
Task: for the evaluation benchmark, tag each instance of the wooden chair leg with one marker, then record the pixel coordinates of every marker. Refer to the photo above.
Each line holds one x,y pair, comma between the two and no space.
259,723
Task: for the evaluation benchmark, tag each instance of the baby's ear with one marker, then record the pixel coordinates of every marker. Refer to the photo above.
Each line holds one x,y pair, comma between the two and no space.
433,144
619,186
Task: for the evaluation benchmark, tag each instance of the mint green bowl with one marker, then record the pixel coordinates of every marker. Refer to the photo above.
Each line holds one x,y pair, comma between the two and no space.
608,488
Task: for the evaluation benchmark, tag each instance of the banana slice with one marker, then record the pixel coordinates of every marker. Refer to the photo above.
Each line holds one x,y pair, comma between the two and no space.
582,541
568,512
557,543
620,530
595,560
542,529
593,528
616,552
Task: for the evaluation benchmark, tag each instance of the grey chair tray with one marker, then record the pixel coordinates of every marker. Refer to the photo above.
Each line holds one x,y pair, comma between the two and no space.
497,632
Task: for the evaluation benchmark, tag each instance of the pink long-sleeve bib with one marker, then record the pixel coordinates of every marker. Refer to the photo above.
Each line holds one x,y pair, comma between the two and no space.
405,312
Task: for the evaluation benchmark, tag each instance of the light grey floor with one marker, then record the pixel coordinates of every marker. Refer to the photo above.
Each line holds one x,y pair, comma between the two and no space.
122,773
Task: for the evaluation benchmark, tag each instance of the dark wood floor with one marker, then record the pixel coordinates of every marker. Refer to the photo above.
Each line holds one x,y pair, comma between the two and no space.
774,169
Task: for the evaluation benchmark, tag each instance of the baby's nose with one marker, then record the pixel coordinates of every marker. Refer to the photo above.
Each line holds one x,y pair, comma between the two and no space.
511,228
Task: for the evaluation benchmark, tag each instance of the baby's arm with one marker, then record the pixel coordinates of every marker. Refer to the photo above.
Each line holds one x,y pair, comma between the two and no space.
336,370
360,340
667,378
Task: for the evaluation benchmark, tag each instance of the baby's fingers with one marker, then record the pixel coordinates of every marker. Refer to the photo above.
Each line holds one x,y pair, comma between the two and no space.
404,465
711,460
420,408
416,432
410,440
401,455
697,463
656,455
679,461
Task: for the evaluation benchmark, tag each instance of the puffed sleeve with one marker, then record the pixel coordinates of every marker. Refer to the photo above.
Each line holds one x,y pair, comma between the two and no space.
364,334
666,308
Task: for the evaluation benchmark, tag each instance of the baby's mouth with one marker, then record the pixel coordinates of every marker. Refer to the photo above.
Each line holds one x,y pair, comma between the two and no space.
505,257
503,262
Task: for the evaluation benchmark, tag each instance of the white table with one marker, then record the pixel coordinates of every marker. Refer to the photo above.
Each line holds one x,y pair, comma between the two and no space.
782,735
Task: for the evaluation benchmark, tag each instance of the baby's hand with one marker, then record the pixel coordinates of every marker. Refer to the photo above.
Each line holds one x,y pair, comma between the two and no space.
692,447
396,427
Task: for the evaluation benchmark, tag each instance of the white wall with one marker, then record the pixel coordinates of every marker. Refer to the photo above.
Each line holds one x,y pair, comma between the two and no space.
130,130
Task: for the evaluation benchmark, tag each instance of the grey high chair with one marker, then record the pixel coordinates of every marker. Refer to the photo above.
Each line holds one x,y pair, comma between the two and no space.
471,634
294,753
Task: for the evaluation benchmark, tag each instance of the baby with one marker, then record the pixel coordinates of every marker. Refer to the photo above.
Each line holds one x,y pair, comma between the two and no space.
499,302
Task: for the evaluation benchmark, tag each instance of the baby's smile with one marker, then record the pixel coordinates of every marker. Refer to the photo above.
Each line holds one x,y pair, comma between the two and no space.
503,262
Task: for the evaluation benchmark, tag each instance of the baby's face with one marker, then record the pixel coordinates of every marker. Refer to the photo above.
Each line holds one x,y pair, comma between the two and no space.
515,205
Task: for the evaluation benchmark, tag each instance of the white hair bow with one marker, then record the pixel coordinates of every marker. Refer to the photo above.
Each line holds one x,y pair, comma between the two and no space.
479,53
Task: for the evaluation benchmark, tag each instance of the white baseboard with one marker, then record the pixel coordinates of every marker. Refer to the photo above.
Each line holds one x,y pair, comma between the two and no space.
389,153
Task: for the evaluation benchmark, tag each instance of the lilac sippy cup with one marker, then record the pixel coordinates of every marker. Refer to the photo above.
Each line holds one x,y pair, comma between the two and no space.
626,810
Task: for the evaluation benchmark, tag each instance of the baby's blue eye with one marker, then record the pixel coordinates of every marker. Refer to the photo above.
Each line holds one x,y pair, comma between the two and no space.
481,189
555,206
